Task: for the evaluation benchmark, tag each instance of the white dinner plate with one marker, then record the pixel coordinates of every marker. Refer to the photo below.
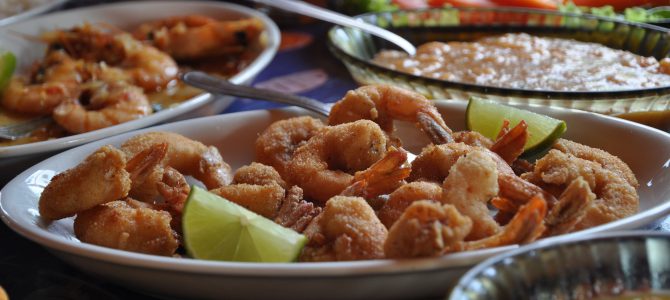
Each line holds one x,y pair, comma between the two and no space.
645,149
126,15
32,11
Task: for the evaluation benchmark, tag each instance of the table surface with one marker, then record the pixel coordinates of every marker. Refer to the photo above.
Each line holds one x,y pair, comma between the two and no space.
28,271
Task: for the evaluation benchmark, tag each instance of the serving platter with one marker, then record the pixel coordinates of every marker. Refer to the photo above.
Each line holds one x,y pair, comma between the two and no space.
125,15
235,134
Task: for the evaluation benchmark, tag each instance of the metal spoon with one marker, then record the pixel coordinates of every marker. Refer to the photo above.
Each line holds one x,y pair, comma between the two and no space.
221,86
340,19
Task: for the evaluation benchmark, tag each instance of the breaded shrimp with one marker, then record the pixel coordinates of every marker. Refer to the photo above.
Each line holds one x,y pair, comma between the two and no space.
264,200
385,103
347,229
324,166
99,179
471,183
257,187
426,228
187,156
616,198
127,225
276,144
404,196
435,161
605,159
258,173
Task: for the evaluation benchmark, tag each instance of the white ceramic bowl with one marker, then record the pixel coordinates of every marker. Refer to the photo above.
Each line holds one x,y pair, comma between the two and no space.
125,15
646,150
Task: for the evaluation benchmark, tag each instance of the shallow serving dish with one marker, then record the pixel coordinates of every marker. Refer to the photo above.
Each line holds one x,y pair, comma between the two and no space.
126,15
614,265
235,134
356,50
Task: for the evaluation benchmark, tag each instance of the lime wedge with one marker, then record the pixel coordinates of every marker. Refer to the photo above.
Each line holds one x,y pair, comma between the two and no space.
7,66
217,229
486,117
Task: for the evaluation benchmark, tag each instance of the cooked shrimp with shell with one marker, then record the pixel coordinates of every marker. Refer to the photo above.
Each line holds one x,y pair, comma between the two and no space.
349,187
95,75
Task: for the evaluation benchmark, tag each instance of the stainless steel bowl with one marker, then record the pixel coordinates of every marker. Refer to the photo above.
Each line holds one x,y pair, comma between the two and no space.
603,266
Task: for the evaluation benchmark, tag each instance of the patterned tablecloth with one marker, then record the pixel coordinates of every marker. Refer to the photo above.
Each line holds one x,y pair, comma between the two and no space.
303,66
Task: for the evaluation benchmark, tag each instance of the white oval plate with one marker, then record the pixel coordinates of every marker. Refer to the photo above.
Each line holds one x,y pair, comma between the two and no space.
33,11
127,15
645,149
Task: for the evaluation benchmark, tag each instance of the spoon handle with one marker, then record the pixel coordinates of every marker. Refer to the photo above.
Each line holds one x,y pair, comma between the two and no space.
221,86
314,11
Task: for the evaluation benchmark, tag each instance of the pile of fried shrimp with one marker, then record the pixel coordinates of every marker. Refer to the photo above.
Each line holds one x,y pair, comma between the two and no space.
348,186
96,76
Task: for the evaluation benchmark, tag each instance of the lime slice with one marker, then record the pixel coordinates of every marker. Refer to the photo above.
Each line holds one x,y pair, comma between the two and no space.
7,66
217,229
486,117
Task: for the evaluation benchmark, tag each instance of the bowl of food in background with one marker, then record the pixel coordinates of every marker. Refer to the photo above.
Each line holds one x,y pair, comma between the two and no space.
615,265
84,60
516,55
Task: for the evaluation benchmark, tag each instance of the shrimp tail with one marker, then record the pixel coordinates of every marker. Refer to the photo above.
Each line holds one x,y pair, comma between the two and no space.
526,226
382,177
510,143
437,133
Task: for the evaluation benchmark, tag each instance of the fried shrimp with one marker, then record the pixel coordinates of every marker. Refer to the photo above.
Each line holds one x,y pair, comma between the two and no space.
55,81
471,183
102,105
187,156
426,228
324,166
162,186
127,225
404,196
435,161
99,179
605,159
257,187
195,36
277,143
260,174
616,198
385,103
347,229
148,67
